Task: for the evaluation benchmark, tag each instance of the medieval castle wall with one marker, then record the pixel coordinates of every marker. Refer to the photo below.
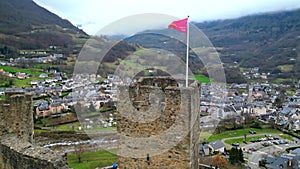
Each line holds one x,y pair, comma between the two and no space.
16,115
153,113
17,150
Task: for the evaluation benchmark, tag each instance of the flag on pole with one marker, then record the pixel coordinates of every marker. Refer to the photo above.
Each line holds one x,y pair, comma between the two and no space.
183,26
179,25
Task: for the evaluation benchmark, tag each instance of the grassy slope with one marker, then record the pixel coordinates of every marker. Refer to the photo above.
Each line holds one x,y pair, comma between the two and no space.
241,132
201,78
92,160
25,82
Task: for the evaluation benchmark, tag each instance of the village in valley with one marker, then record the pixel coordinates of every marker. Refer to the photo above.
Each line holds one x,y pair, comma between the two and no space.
261,119
188,93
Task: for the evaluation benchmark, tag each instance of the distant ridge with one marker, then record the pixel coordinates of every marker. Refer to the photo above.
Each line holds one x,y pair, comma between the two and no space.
269,41
25,25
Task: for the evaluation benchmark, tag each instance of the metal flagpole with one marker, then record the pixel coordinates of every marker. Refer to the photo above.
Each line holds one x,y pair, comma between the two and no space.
187,53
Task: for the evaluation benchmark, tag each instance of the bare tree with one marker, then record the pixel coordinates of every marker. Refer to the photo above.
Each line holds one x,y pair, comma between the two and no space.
78,151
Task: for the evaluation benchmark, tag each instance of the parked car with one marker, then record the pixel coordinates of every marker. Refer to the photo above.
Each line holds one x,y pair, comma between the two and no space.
235,144
252,149
283,142
225,153
254,141
266,144
263,139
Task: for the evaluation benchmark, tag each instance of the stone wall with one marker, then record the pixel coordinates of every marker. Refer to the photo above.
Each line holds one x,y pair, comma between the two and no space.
158,124
19,154
195,127
17,150
16,115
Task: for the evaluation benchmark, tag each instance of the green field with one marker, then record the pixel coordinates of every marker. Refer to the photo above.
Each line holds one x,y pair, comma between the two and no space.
23,82
242,69
100,129
290,92
68,126
249,138
281,80
204,135
240,140
286,68
241,132
201,78
92,160
287,137
16,69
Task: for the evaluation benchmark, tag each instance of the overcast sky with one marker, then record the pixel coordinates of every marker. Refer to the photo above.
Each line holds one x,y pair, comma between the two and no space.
94,15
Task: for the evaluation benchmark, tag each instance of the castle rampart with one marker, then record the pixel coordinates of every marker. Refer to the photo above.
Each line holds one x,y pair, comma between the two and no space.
17,150
158,124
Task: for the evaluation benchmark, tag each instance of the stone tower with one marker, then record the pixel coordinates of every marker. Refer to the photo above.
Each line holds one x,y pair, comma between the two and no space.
158,124
16,137
16,115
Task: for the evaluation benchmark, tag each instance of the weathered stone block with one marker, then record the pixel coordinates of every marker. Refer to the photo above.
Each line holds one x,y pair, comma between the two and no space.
16,137
158,124
20,154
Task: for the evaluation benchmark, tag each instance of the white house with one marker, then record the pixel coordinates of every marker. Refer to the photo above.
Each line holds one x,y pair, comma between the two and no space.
207,149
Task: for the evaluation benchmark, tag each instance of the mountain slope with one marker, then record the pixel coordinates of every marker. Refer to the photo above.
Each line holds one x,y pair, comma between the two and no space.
25,25
268,41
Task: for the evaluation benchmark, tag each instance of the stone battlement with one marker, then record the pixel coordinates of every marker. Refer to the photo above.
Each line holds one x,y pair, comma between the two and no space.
158,124
16,115
20,154
17,150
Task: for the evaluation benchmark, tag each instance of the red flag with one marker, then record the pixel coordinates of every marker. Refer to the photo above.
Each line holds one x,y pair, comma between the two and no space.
179,25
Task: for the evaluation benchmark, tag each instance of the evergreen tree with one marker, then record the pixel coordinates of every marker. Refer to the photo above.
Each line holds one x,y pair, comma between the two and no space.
236,155
241,155
233,156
